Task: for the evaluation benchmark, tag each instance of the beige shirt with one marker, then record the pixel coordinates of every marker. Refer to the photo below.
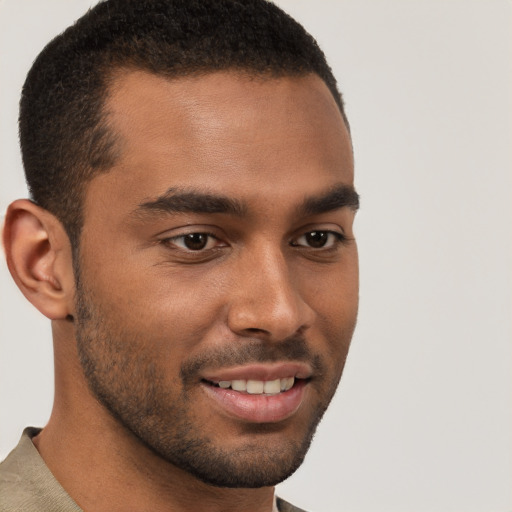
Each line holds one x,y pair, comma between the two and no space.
27,485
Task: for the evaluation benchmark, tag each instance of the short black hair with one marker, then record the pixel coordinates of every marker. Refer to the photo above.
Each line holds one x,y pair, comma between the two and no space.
64,136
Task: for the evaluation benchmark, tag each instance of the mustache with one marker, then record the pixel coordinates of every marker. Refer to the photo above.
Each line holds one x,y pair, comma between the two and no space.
251,351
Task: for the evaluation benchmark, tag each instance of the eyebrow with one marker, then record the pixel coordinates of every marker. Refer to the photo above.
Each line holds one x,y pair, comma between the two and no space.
190,201
177,200
340,196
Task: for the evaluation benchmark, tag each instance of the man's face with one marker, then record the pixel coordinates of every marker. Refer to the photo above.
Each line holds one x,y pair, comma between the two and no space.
218,283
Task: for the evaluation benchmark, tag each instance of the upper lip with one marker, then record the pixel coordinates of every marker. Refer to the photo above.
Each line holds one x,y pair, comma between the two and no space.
259,371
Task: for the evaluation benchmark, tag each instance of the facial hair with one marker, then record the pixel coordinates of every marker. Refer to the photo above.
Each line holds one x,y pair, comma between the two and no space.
132,384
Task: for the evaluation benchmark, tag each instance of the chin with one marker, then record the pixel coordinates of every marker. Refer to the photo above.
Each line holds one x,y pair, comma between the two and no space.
248,467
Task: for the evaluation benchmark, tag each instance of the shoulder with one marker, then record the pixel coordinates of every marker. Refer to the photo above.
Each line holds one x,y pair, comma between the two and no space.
15,490
26,484
284,506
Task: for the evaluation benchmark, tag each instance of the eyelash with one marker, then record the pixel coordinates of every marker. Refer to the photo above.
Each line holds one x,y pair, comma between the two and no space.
174,239
339,238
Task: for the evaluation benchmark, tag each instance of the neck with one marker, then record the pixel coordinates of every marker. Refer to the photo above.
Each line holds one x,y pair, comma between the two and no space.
104,467
107,473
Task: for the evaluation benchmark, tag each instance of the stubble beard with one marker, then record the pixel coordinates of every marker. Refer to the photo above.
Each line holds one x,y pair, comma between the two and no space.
132,387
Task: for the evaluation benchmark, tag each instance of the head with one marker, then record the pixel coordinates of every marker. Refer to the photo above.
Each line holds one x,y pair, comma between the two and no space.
198,158
64,130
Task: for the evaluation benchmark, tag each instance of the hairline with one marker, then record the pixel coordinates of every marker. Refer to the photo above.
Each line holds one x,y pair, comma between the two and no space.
114,75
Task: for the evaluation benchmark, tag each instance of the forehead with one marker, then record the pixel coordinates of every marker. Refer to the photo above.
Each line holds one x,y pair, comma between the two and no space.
225,131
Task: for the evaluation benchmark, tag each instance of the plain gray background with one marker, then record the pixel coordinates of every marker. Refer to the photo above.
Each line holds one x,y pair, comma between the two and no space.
423,417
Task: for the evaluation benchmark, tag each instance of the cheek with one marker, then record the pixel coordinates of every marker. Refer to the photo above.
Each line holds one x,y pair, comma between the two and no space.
335,298
333,292
169,312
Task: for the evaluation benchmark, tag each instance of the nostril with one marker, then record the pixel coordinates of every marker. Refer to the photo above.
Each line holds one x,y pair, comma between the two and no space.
255,330
269,318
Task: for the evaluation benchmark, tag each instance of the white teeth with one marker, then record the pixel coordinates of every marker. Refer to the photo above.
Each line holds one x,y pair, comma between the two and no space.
272,387
239,385
255,387
259,387
290,381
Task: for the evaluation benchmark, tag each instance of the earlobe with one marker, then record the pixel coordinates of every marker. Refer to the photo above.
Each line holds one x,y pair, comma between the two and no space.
38,255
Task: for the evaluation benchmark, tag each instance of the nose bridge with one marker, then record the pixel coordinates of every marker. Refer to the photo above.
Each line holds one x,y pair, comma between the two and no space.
268,300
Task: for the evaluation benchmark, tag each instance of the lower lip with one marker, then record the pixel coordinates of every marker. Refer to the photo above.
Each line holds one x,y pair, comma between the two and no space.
259,408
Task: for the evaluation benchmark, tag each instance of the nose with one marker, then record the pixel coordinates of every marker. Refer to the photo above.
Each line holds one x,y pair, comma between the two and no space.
266,301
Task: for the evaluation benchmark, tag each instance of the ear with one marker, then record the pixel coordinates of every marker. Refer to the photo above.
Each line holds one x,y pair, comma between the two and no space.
38,254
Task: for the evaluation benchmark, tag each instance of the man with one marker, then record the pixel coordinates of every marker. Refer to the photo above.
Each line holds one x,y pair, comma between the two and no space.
189,235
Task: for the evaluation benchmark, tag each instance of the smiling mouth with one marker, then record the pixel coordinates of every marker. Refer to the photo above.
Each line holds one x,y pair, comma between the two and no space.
257,400
257,387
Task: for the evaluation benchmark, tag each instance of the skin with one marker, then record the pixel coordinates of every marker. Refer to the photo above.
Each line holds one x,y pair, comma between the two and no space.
150,319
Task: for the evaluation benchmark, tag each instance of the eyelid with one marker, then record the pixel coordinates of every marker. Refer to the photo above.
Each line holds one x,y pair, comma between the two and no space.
189,229
172,240
326,227
340,238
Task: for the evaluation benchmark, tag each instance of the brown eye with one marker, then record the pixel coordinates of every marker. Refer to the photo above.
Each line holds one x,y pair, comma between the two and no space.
318,239
193,242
